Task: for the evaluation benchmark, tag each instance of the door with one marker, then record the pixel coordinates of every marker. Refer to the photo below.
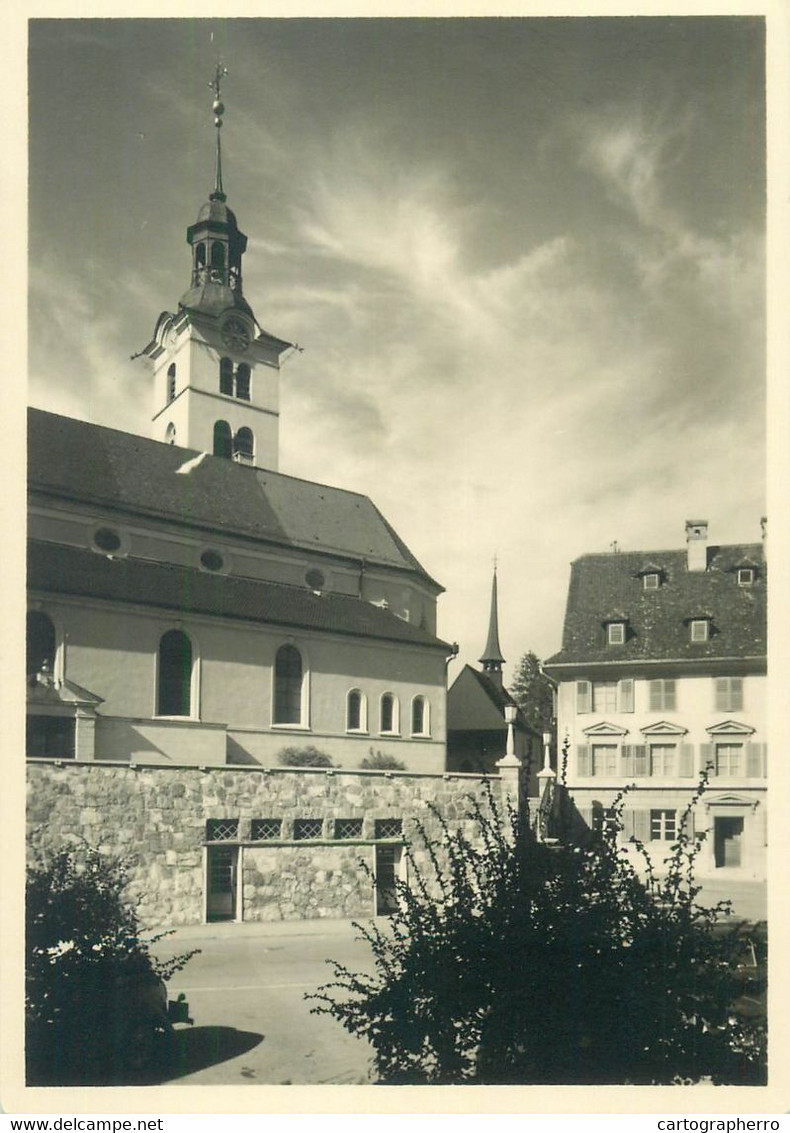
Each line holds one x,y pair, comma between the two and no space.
727,839
222,869
387,867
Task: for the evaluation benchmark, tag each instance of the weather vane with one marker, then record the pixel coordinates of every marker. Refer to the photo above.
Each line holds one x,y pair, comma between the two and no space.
218,109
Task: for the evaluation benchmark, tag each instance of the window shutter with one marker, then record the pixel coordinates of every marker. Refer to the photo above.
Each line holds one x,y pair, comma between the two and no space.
627,760
764,759
687,824
627,829
687,761
583,761
642,825
722,688
640,760
754,761
583,696
655,696
625,695
706,757
736,694
669,695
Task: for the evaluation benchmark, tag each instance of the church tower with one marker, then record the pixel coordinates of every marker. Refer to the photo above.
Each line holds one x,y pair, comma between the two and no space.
492,659
216,371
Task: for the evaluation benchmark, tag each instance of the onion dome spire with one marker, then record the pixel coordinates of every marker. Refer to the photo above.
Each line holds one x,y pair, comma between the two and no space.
492,659
215,238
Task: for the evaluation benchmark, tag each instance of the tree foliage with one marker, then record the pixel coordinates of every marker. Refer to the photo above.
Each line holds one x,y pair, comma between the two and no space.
532,692
95,1004
549,964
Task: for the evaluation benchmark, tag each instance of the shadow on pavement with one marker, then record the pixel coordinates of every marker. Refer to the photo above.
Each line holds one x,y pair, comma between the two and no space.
195,1048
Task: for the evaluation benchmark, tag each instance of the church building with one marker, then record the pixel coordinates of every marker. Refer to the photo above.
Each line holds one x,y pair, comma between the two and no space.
200,623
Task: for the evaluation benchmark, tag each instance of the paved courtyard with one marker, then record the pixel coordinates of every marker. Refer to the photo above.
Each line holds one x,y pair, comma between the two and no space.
246,995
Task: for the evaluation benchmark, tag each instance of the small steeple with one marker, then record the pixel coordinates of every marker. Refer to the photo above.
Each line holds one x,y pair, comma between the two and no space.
492,659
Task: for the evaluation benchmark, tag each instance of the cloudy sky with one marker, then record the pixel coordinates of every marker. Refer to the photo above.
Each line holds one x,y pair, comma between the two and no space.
524,258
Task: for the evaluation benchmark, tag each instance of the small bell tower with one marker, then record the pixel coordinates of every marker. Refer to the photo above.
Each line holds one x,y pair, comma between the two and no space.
216,371
492,659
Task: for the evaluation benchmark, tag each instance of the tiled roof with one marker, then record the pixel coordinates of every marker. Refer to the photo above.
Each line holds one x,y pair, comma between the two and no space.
76,460
84,573
468,710
658,620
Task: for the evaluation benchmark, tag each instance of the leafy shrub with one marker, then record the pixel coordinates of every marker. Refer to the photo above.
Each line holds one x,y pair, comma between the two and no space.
382,761
308,756
549,964
96,1008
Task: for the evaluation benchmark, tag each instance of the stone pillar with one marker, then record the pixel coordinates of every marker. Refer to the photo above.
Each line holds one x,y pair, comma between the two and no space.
546,780
510,766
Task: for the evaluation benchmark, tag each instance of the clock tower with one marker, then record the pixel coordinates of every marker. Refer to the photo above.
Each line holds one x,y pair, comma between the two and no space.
216,371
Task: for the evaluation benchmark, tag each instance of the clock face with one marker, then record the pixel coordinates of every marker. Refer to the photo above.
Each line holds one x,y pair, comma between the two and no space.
235,334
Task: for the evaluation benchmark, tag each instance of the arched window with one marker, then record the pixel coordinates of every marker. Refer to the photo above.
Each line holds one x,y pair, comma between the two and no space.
200,255
243,382
40,644
175,674
171,382
244,445
223,441
389,713
419,716
355,712
288,686
170,434
226,376
217,255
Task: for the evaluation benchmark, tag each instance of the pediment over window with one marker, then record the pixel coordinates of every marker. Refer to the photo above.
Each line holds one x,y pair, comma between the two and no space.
730,728
663,728
605,729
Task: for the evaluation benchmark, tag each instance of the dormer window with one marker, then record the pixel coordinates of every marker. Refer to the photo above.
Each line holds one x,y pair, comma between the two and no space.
700,630
651,581
745,576
615,633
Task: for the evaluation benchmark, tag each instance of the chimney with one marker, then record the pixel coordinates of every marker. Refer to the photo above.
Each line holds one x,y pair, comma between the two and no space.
697,544
764,526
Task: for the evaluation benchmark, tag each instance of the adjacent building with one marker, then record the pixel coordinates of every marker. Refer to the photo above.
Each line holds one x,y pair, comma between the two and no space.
477,730
661,676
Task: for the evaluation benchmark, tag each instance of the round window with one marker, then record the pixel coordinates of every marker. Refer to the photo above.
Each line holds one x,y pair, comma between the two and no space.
106,539
315,579
212,560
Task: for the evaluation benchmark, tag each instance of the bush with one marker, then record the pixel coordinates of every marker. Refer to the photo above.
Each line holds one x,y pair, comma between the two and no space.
96,1006
552,965
308,756
382,761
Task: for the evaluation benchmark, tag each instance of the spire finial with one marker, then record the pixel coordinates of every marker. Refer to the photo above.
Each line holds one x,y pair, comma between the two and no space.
218,109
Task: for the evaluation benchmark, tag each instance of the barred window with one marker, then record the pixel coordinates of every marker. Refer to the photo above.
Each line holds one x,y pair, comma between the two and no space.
389,827
222,829
346,828
307,828
265,829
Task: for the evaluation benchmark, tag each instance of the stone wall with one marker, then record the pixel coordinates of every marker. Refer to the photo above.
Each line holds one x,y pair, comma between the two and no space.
156,818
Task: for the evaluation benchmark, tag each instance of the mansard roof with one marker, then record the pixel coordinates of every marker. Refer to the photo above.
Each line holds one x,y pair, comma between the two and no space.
84,573
657,621
75,460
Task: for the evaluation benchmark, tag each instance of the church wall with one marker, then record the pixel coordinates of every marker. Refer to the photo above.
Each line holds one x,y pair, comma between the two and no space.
156,818
112,652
